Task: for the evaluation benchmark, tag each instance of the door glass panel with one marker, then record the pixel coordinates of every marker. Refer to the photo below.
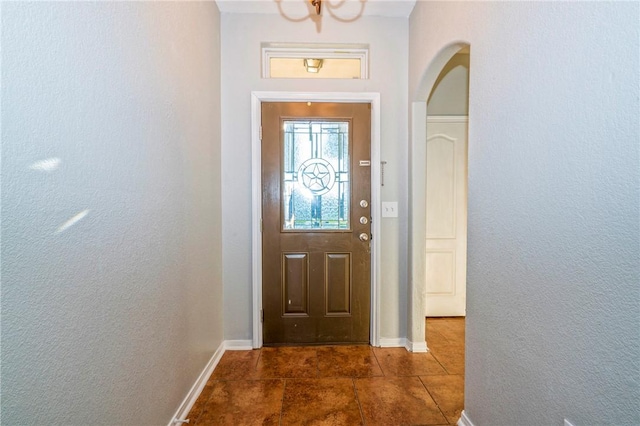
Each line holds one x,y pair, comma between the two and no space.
316,175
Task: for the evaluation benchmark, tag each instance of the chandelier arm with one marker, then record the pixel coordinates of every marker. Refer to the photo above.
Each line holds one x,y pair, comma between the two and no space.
335,4
328,7
284,15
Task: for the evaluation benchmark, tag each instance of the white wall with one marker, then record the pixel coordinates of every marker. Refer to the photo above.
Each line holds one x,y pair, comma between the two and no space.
111,320
241,38
450,94
553,269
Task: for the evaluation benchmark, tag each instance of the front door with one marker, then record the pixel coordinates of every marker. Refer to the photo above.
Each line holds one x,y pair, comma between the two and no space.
316,192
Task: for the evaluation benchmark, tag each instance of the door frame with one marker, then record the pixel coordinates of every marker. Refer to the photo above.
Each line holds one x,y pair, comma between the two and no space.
257,98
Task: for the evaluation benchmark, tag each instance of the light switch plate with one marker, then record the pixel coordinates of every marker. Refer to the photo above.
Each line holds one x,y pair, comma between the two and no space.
389,209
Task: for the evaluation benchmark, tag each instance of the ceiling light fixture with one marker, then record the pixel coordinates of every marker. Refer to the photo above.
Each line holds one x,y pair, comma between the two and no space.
315,8
313,65
317,4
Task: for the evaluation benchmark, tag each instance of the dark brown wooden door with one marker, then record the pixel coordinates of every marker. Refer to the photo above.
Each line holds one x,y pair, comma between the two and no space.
316,195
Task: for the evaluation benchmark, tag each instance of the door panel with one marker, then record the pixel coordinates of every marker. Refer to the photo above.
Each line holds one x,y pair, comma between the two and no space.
338,284
316,269
295,277
441,187
446,186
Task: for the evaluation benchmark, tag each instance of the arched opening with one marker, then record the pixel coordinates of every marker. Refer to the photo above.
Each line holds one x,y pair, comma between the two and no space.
446,190
438,216
437,75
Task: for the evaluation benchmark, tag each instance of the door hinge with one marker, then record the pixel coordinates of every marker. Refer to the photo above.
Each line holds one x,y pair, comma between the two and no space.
260,132
261,315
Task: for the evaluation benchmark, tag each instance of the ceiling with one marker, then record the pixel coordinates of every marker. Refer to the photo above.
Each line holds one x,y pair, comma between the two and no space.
299,8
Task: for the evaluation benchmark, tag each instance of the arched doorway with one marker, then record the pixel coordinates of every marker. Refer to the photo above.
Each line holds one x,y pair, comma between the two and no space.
417,196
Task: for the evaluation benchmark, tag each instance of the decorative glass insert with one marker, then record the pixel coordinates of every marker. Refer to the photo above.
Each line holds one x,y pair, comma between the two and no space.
316,175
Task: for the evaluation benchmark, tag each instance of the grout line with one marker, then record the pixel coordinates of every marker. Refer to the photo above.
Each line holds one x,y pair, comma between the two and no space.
255,367
355,390
378,362
434,400
440,364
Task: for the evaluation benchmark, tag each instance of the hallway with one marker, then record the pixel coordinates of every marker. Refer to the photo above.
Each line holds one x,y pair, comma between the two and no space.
340,385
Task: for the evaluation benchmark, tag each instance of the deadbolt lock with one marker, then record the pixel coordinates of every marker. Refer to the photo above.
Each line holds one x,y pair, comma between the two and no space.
364,237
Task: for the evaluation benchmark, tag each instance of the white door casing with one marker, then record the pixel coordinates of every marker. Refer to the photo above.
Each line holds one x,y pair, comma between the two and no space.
256,195
446,216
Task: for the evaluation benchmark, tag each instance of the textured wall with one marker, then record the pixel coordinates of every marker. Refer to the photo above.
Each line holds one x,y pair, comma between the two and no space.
110,116
553,268
241,65
450,94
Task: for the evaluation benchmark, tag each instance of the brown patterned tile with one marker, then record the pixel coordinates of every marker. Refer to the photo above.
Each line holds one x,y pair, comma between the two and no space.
400,362
434,336
451,359
397,401
243,402
436,347
198,406
445,339
236,365
451,330
448,392
287,362
330,401
347,361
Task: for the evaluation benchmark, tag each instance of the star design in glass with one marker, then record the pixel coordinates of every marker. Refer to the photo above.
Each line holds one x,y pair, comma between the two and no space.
316,177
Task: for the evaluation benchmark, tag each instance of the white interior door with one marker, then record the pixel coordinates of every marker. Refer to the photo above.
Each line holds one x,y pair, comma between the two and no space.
446,187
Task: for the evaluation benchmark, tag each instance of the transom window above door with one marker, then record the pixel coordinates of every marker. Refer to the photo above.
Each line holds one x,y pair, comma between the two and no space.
292,60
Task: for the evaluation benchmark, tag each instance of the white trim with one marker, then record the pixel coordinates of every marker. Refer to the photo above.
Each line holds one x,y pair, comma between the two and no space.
464,420
256,195
447,119
256,217
196,389
417,346
395,342
417,222
238,345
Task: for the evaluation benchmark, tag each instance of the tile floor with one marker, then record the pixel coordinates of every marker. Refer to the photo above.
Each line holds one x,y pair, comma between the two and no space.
339,385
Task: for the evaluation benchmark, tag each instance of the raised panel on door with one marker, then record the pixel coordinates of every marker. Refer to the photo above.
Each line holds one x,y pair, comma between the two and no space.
441,187
295,284
338,284
441,272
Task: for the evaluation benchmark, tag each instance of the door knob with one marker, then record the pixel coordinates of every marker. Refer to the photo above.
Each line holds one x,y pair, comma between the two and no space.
364,237
364,204
364,220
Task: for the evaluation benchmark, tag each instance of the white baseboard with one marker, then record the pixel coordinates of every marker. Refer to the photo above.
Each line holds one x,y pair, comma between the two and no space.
238,345
398,342
464,420
417,346
196,389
